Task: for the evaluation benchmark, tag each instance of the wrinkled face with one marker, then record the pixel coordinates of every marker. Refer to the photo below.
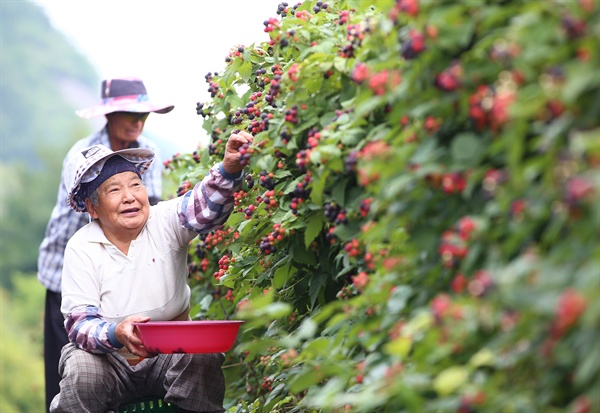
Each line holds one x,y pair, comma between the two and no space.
124,128
123,207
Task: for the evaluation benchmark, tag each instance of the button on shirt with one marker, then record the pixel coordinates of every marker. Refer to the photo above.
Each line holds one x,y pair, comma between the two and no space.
64,222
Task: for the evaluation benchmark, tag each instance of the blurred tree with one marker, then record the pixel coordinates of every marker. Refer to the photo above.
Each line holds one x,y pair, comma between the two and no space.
40,70
21,364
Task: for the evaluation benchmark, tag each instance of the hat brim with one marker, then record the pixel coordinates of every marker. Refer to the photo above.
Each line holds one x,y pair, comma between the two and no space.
140,157
123,106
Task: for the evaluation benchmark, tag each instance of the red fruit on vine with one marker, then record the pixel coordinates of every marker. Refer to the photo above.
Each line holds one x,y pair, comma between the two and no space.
466,226
480,284
582,405
459,283
450,79
414,46
360,281
570,307
578,189
453,183
440,305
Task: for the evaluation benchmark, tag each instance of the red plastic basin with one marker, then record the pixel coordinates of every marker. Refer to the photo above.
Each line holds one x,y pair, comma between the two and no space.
207,336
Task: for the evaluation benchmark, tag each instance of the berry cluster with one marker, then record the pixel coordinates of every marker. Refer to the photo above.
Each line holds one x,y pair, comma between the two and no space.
320,6
224,262
183,188
414,46
365,207
302,159
286,135
267,384
268,198
453,182
200,249
213,148
249,181
217,237
453,246
330,235
239,196
196,156
350,161
335,213
213,88
195,268
450,79
245,154
267,180
352,248
343,17
249,210
492,179
314,136
250,111
503,51
275,84
382,81
301,193
283,9
200,109
291,115
410,7
234,52
489,106
271,24
293,72
267,244
573,27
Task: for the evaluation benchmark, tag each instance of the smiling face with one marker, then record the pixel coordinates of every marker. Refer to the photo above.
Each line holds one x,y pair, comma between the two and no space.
124,128
123,207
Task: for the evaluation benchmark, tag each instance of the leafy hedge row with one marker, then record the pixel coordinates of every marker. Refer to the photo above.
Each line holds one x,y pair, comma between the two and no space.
419,227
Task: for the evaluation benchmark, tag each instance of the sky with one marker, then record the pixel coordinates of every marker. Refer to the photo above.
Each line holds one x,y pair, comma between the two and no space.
170,44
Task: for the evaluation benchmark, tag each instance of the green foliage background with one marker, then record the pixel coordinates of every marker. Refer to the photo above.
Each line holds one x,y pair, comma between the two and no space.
457,144
37,126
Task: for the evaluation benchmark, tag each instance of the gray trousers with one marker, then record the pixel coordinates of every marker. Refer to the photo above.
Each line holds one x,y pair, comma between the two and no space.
99,383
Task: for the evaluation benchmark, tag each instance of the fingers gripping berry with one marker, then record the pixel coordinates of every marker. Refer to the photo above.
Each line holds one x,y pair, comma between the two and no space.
232,161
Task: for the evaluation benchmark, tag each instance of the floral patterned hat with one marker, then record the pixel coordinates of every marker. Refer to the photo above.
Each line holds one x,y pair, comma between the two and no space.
85,165
123,95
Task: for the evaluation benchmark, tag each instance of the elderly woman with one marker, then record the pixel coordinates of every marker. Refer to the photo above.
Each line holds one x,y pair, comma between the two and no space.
130,265
125,104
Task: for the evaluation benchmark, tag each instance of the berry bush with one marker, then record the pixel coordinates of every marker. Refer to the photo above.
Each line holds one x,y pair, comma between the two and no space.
418,227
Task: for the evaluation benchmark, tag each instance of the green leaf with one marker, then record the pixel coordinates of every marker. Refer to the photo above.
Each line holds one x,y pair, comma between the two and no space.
317,187
467,149
307,378
450,380
313,228
245,70
314,84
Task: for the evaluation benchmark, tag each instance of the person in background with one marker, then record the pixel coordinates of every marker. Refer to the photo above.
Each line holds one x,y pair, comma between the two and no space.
129,265
126,106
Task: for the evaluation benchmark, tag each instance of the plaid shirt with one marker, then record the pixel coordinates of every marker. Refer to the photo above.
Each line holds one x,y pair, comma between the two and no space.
64,222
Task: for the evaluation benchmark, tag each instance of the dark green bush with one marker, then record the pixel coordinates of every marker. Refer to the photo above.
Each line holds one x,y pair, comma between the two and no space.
419,231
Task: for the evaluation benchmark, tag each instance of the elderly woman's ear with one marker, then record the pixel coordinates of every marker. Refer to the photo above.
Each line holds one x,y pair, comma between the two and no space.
91,208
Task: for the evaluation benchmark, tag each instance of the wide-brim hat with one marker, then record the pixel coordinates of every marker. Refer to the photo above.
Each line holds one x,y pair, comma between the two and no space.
124,95
85,165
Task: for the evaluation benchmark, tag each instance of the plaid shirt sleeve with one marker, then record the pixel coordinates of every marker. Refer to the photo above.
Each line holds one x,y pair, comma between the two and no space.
90,332
207,206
